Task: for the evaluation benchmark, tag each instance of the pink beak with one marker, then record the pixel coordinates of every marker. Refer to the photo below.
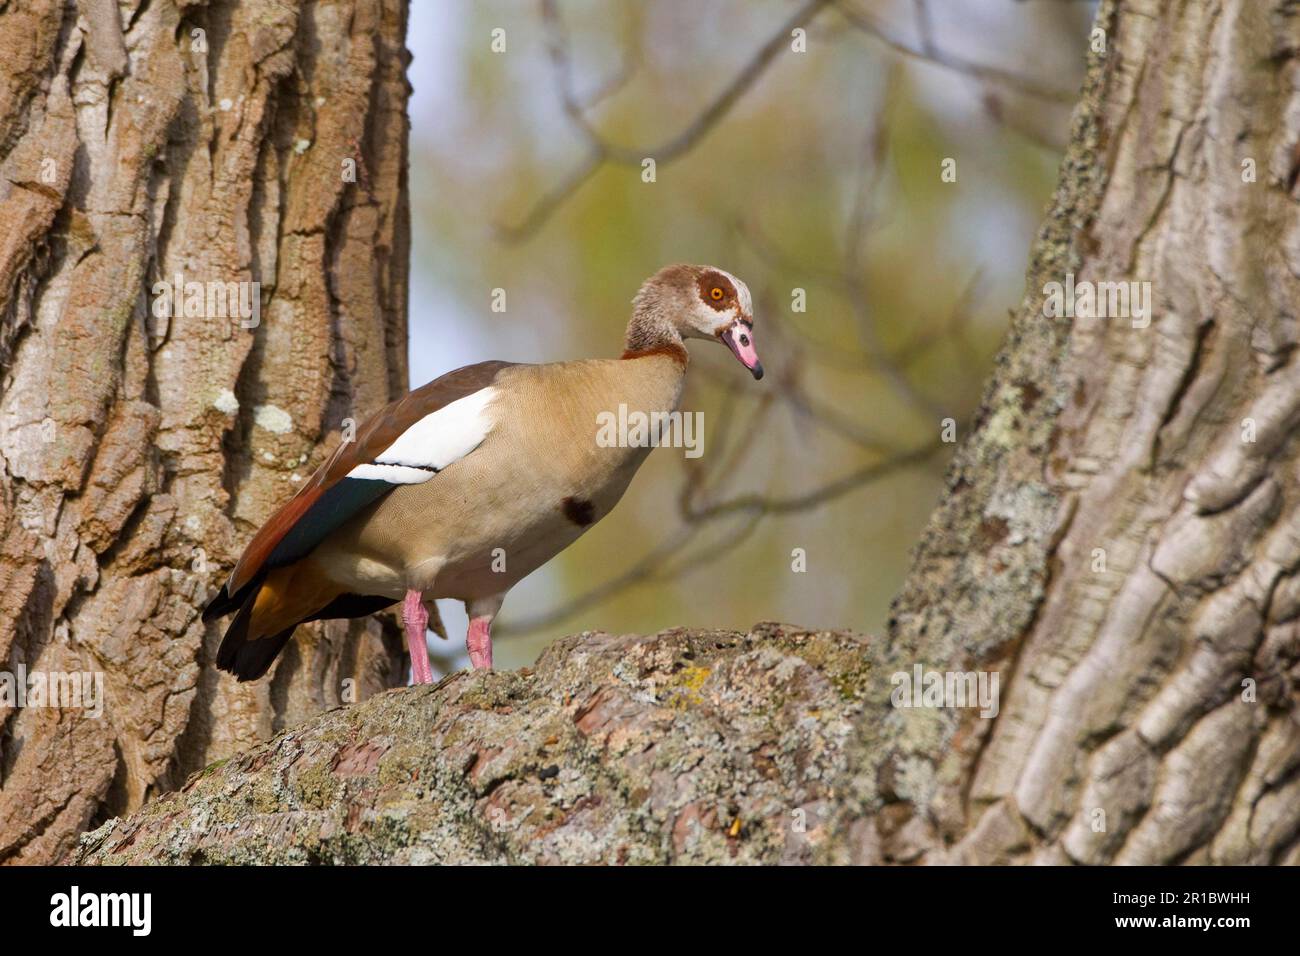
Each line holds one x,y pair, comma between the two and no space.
739,337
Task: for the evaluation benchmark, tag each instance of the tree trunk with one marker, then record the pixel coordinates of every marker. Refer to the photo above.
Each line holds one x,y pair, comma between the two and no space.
1119,537
242,141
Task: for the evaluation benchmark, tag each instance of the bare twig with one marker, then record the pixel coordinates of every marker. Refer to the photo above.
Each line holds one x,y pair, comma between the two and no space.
924,27
755,505
599,151
952,61
952,329
824,416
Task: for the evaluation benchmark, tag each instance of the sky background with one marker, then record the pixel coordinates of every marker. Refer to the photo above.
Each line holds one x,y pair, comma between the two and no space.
847,131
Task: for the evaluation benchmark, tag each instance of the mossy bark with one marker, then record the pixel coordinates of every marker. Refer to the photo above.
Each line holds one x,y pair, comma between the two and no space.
687,746
142,141
1118,535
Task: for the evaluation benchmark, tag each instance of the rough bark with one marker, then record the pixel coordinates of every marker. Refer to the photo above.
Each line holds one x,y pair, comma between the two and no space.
1111,541
687,746
140,141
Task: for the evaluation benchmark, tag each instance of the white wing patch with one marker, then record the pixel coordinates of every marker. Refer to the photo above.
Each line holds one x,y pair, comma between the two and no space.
433,443
393,474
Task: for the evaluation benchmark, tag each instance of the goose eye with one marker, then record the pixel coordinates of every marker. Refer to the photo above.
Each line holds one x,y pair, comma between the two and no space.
716,294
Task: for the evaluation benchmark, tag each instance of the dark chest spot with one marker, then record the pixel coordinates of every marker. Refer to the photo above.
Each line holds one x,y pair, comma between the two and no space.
578,510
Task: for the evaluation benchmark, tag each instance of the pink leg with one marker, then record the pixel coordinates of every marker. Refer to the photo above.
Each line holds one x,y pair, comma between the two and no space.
479,642
416,619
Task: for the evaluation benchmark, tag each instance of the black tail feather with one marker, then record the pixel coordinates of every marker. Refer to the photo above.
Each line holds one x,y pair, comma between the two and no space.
252,659
248,659
223,602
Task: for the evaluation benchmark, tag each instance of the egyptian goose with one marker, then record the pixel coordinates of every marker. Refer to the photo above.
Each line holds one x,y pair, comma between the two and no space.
470,483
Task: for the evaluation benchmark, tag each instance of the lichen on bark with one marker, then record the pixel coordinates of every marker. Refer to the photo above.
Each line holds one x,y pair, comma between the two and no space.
686,746
142,141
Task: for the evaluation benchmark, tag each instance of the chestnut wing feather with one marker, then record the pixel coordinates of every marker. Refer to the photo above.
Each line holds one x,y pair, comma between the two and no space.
324,502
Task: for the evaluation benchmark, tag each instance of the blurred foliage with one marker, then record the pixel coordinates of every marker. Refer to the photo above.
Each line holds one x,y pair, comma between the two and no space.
846,132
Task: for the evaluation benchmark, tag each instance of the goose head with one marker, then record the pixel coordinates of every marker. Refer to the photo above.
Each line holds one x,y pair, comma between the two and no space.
697,302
